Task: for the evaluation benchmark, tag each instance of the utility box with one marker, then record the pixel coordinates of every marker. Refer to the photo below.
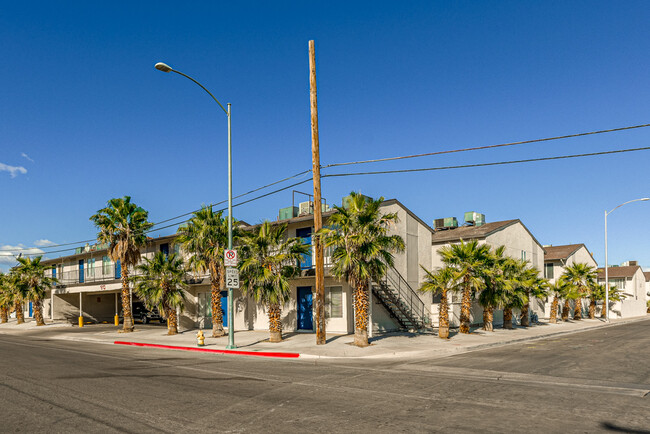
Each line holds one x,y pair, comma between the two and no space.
306,208
346,200
288,212
475,218
451,222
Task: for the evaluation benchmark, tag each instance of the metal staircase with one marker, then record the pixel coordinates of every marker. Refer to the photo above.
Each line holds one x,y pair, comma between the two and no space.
403,303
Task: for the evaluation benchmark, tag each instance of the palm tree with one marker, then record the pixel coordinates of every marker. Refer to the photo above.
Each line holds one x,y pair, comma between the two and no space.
517,280
6,298
559,290
122,225
580,277
469,261
268,262
535,287
493,295
17,293
597,293
362,251
32,275
205,237
159,284
440,283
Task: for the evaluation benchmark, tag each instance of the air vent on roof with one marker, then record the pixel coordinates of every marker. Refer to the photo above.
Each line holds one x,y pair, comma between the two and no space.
306,208
475,218
288,212
446,223
629,263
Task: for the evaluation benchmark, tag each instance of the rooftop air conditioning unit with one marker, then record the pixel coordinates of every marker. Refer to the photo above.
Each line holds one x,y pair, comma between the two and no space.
306,208
475,218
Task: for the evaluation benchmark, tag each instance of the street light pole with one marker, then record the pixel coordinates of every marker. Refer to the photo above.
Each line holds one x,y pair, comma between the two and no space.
606,262
231,321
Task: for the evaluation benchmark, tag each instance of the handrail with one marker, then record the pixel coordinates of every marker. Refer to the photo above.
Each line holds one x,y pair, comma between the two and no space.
394,280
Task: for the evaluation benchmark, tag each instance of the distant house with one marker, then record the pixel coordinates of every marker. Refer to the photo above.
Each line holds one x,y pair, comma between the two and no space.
557,258
519,243
632,281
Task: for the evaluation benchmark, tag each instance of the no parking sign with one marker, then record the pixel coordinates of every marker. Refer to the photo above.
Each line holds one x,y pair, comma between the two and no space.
230,258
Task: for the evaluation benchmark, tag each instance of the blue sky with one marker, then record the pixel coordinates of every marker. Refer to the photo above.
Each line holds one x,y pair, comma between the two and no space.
86,117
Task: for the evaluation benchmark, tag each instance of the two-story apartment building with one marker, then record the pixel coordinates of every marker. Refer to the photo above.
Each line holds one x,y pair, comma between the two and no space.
631,281
519,243
90,285
557,258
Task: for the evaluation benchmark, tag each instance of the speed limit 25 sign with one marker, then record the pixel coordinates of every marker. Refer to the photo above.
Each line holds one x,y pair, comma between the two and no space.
232,278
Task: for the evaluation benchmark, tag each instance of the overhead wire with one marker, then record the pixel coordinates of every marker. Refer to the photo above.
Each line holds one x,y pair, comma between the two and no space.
477,148
496,163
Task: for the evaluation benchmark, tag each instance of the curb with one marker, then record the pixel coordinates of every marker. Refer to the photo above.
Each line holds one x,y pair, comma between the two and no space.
207,350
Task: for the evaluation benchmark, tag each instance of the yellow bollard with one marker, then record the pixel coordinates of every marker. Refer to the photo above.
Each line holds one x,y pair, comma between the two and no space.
81,321
200,338
117,320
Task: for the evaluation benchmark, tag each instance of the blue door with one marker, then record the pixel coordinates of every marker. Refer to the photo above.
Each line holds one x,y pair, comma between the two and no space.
305,234
118,270
164,249
81,271
31,309
305,314
224,307
54,272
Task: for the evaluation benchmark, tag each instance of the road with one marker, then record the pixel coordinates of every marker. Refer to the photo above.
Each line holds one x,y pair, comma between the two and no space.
584,382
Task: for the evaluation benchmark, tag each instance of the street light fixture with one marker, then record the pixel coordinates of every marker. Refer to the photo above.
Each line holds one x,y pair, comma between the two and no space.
606,264
231,321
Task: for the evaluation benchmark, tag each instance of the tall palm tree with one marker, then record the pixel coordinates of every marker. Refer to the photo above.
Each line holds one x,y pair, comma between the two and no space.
6,298
205,237
268,262
597,293
559,291
362,251
493,295
17,293
536,287
122,225
32,275
440,283
469,261
517,280
580,277
159,284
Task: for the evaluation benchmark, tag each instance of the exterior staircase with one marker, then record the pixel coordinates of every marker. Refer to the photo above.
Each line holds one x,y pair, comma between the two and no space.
401,301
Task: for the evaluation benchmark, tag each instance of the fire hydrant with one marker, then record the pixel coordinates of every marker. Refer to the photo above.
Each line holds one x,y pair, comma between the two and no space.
200,339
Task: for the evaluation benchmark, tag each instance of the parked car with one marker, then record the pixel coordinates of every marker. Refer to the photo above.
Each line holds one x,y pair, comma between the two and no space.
142,314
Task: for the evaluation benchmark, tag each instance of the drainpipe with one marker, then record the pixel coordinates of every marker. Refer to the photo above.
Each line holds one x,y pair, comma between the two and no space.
81,313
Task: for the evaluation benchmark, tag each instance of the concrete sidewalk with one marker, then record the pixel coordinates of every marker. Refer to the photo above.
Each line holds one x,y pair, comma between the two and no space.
385,345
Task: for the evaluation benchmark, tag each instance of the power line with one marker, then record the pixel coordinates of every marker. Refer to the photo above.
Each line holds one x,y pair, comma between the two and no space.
25,249
498,163
476,148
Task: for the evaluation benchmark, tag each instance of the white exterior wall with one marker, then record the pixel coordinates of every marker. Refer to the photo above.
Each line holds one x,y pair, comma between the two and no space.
516,239
636,298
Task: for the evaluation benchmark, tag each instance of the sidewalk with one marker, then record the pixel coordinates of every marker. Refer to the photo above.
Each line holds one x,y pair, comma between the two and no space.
386,345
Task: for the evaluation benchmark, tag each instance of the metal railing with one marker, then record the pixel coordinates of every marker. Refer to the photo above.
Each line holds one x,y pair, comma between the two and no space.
412,304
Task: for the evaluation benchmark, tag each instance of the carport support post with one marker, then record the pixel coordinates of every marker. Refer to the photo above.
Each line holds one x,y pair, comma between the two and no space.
117,317
81,312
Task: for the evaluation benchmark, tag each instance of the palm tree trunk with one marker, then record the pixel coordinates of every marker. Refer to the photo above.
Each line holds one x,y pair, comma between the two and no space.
603,313
525,320
126,301
361,304
465,308
172,322
507,318
592,309
488,317
217,281
38,312
275,322
577,311
554,305
4,314
443,317
565,310
20,316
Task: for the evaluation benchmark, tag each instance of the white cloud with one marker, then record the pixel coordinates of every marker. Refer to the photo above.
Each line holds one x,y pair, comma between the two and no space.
13,170
44,243
8,253
26,156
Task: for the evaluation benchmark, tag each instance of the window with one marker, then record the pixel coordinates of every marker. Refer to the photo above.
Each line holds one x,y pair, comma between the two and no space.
164,248
523,255
334,302
106,265
548,271
618,282
90,267
177,249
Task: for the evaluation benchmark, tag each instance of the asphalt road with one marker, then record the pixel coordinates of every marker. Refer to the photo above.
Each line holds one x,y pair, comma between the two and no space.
584,382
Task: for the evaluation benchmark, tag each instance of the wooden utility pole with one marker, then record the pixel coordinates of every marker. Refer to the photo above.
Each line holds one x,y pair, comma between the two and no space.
318,216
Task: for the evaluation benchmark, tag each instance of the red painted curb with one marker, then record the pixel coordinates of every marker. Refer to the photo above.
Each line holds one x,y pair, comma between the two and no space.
207,350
